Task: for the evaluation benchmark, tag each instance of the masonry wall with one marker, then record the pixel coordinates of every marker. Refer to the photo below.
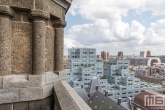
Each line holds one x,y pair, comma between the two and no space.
44,104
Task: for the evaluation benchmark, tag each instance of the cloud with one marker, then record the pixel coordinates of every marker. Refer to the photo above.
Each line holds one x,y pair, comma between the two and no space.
107,31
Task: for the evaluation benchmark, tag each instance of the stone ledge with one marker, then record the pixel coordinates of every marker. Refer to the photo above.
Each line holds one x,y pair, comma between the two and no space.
64,3
6,10
66,98
24,81
40,13
8,95
18,88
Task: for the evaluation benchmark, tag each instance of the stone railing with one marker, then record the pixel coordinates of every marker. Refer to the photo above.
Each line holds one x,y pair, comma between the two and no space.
23,88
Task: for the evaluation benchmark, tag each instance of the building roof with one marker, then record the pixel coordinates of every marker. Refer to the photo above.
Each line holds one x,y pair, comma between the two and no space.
102,102
140,99
92,86
81,92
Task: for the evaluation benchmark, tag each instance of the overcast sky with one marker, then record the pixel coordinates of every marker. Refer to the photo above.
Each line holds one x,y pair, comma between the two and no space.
130,26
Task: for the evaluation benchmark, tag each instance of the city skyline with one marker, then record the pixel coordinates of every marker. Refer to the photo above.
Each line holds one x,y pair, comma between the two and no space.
128,26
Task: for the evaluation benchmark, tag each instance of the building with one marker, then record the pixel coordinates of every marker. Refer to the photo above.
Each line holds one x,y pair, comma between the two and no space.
31,56
142,54
82,66
148,54
148,61
105,55
122,81
101,101
149,100
120,55
154,74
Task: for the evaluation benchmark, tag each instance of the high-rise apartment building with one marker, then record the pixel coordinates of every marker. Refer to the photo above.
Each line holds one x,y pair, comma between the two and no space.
82,66
105,55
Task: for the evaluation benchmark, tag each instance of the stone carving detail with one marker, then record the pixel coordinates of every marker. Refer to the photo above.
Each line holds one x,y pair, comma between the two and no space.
21,47
49,50
5,48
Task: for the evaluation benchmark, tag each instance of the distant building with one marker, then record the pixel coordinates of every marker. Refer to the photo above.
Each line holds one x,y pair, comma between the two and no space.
142,54
120,55
98,56
105,55
82,66
154,74
122,82
148,54
149,100
148,61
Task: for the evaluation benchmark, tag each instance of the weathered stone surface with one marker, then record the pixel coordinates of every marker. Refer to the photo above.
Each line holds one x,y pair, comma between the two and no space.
66,98
63,100
53,8
49,50
22,81
5,46
27,94
21,106
51,77
45,104
6,107
1,82
6,10
40,13
22,50
8,95
20,16
59,46
47,90
21,4
14,81
39,4
39,47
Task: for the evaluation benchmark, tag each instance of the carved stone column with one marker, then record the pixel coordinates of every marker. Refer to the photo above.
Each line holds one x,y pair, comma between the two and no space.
59,45
5,40
39,34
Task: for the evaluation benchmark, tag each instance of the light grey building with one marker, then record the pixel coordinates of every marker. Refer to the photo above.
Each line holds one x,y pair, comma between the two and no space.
122,82
82,66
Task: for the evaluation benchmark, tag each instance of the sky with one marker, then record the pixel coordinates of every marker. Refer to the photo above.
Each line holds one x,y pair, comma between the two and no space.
130,26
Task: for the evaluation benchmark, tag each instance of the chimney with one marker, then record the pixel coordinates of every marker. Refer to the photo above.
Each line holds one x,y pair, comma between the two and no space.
119,101
106,93
97,87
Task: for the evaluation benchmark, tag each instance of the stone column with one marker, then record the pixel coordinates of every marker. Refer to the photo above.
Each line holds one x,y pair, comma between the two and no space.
39,34
59,45
5,40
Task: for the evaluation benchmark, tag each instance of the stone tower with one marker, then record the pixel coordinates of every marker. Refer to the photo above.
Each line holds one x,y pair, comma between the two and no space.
148,53
31,56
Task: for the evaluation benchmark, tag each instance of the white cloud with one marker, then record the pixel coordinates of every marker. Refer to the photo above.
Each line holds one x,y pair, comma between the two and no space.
107,31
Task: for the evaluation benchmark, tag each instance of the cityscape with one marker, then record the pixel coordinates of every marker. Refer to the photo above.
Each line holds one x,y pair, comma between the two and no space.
82,55
121,78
